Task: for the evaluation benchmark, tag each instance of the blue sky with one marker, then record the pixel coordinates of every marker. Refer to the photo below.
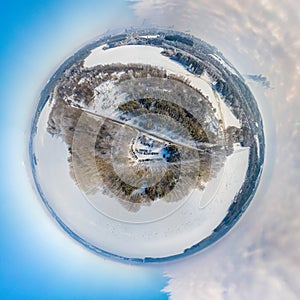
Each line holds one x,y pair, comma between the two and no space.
37,259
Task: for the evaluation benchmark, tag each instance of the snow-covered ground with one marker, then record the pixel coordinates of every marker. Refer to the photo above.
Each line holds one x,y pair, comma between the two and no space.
138,54
207,209
171,227
52,165
223,112
141,54
258,146
185,223
149,36
223,63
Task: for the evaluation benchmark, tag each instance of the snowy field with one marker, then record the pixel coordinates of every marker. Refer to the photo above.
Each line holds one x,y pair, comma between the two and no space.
162,229
151,55
188,222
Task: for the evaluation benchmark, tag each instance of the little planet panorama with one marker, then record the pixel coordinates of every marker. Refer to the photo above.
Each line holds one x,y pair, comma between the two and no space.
147,145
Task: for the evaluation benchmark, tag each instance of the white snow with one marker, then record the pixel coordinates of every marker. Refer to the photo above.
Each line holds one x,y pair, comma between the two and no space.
138,54
223,112
141,54
227,116
257,143
177,225
217,196
149,36
52,164
185,223
82,80
107,99
223,63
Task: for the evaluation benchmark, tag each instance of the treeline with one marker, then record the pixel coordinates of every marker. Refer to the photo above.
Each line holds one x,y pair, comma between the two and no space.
168,109
180,39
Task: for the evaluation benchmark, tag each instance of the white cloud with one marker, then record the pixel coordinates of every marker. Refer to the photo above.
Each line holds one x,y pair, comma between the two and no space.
259,259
